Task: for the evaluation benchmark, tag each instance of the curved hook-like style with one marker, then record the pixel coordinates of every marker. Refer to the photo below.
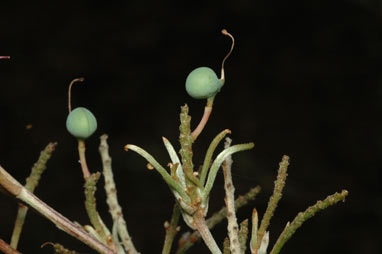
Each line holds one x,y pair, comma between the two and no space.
70,91
225,32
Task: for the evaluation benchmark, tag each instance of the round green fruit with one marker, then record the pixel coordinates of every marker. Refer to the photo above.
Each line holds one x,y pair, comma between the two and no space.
203,83
81,123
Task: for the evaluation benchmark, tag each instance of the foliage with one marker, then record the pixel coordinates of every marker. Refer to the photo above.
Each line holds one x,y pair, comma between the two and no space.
191,188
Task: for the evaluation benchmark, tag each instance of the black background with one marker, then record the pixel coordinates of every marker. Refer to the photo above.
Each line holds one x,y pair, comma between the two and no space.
303,81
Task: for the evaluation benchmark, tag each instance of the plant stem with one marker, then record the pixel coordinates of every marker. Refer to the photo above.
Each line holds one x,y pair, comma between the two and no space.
204,120
112,199
232,227
19,223
58,248
226,249
31,183
171,229
201,225
91,204
186,140
217,218
7,249
274,199
18,191
303,216
81,152
243,235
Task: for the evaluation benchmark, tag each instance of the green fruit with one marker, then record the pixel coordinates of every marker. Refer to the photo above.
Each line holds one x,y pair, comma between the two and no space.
203,83
81,123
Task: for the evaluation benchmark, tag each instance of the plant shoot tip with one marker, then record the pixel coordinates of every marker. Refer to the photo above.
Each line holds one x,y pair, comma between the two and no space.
126,148
285,157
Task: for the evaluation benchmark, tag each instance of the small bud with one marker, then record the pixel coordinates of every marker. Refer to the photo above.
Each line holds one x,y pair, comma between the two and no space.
149,166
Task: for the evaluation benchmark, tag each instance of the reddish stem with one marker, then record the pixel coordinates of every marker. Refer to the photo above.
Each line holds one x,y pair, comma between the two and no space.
7,249
81,152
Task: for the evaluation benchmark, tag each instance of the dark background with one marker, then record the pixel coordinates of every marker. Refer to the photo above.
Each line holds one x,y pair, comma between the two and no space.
302,81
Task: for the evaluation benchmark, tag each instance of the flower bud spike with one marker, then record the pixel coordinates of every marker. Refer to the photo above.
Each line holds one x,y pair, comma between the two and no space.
225,32
5,57
70,91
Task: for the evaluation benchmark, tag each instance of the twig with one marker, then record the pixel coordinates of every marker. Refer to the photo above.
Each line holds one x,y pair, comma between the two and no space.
303,216
7,249
243,235
201,225
91,205
274,199
171,229
226,249
31,183
186,140
112,199
232,227
241,201
21,193
217,218
59,249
